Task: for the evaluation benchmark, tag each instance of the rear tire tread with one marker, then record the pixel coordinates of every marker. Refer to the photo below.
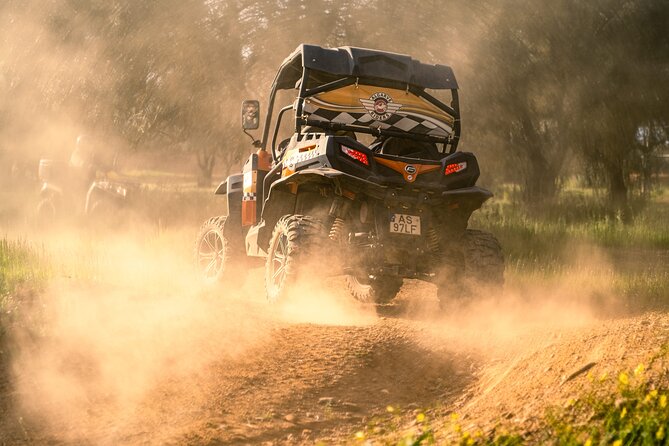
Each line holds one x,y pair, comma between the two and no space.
482,267
304,235
378,291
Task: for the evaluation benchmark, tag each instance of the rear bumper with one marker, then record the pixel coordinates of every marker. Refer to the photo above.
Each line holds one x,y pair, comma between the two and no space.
398,194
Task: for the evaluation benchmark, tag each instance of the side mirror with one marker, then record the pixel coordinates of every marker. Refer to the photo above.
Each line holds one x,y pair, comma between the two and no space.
250,115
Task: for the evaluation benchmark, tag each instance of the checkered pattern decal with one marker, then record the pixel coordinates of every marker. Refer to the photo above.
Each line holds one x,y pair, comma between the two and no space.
400,121
249,196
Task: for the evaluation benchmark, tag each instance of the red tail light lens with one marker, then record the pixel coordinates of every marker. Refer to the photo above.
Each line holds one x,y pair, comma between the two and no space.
454,168
356,155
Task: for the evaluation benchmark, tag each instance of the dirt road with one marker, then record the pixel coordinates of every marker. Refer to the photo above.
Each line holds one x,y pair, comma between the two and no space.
132,367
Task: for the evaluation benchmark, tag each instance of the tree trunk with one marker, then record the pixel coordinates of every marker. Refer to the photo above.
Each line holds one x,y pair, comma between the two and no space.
646,172
206,160
541,179
618,192
541,182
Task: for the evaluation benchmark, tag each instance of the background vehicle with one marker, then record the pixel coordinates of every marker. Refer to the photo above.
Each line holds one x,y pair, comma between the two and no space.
393,208
78,187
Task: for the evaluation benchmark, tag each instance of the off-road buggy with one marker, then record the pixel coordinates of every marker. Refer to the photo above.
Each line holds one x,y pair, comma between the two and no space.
78,188
325,203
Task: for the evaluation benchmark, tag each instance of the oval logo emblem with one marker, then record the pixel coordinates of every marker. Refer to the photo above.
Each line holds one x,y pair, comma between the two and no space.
380,106
410,169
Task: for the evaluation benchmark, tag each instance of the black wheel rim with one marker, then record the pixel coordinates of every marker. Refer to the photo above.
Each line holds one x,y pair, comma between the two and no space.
211,254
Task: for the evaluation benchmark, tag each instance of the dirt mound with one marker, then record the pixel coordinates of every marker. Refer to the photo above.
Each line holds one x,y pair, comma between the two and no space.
319,367
517,390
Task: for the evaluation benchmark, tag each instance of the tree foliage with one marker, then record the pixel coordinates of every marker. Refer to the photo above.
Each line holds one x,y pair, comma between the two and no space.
542,83
573,79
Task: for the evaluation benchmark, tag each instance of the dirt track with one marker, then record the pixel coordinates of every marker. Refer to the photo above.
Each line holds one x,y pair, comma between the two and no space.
322,370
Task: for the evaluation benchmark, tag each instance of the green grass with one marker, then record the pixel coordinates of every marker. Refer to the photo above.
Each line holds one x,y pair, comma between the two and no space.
157,176
635,413
628,408
546,233
23,269
21,265
576,234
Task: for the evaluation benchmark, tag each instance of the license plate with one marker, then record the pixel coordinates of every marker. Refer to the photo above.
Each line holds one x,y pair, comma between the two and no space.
405,224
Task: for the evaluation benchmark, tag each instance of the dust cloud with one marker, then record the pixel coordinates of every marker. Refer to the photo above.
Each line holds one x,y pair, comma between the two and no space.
92,347
128,315
324,301
533,310
126,340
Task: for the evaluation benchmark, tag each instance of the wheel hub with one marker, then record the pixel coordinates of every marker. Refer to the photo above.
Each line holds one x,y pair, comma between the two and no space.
279,260
211,254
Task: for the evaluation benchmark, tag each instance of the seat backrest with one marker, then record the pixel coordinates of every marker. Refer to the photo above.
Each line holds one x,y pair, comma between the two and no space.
410,148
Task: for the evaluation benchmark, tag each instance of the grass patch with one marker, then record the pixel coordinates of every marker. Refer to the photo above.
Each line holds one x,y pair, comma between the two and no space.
539,235
630,408
23,268
575,235
21,265
416,427
635,413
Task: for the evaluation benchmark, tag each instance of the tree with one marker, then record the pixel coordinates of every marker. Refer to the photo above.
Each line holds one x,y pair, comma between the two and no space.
622,89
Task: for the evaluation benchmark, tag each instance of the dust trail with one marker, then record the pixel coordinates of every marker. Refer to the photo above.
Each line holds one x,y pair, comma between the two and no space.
91,349
534,308
325,301
127,316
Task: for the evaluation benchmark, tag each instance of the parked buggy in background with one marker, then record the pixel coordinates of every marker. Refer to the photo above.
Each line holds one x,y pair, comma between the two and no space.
79,186
323,202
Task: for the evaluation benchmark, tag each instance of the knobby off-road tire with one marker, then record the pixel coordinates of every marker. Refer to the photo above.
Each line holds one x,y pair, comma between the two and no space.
380,290
217,258
296,244
482,269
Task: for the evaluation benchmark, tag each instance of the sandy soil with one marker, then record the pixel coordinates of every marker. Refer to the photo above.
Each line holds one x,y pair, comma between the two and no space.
138,365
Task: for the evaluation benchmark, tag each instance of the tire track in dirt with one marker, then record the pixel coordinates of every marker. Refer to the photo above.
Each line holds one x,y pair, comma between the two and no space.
314,381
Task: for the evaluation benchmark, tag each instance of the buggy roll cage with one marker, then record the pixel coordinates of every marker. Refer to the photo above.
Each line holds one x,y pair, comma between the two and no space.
316,70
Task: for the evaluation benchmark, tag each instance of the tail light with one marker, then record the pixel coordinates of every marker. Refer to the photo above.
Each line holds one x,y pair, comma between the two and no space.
454,168
356,155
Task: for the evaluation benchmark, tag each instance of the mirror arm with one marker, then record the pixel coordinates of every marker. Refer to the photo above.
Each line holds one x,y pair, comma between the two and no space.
256,143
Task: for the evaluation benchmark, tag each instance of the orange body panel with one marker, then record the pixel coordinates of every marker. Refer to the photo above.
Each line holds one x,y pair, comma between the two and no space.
248,212
261,161
401,167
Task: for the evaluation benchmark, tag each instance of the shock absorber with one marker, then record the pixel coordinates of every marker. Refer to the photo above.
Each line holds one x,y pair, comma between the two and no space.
337,230
433,240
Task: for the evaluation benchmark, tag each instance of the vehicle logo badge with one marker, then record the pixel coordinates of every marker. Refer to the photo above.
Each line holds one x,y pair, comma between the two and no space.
380,106
410,169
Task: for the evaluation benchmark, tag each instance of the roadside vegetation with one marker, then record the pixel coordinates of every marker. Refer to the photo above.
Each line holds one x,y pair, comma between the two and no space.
628,408
578,215
24,270
578,231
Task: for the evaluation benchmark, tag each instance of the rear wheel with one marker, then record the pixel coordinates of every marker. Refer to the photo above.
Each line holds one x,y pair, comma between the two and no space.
294,242
215,255
379,290
482,269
